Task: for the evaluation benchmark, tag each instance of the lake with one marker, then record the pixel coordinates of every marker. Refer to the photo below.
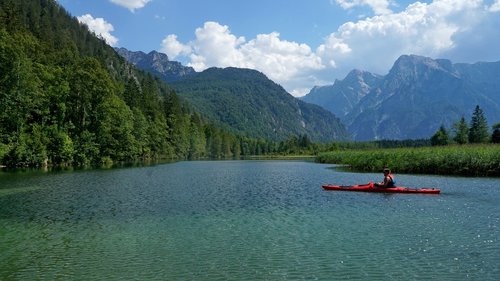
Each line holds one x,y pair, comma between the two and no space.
244,220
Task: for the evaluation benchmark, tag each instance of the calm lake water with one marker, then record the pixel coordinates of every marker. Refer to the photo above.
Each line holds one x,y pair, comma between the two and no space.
244,220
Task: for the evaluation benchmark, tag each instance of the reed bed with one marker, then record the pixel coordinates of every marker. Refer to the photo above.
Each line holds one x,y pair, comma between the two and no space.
464,160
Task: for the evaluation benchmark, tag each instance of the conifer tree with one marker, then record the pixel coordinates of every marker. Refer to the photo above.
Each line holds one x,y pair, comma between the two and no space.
495,137
478,132
440,137
461,130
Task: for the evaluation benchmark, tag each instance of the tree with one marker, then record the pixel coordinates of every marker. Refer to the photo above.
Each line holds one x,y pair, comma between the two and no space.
60,149
495,137
440,137
140,134
214,141
30,149
115,130
197,140
86,149
478,132
304,141
90,84
132,92
461,130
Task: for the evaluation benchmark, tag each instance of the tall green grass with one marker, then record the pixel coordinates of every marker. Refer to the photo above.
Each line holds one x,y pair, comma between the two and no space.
466,160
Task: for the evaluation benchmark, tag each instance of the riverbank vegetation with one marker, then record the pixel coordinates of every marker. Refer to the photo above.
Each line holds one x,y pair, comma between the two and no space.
465,150
68,99
463,160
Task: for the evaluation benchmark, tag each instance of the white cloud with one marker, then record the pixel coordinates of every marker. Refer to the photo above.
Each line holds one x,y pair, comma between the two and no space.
374,43
285,62
281,60
173,48
460,30
216,46
100,27
495,7
378,6
132,5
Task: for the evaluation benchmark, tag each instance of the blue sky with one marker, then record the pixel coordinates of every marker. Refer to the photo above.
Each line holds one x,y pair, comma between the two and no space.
297,43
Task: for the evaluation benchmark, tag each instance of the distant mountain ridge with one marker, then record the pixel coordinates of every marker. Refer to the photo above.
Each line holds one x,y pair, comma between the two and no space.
157,64
418,95
341,97
247,102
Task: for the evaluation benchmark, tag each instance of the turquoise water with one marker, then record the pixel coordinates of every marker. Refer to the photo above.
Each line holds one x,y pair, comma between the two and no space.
244,220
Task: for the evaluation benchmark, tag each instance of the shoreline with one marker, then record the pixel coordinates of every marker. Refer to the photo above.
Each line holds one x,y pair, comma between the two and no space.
467,160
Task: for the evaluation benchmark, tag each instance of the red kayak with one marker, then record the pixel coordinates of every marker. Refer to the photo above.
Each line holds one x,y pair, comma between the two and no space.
370,187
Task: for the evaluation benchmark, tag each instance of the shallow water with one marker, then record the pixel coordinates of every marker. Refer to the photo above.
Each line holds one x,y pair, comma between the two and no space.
244,220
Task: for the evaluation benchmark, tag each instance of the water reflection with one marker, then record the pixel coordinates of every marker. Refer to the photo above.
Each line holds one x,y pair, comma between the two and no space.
243,220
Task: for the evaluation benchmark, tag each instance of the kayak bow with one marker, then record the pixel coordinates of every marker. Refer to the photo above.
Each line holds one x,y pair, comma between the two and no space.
370,187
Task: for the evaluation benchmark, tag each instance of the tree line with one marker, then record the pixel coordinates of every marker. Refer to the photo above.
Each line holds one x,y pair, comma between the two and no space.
477,131
67,98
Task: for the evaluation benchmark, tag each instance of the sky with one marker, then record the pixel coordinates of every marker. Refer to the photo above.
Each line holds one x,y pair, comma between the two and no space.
298,44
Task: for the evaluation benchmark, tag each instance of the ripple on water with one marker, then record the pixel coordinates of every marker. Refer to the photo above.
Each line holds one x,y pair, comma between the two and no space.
244,220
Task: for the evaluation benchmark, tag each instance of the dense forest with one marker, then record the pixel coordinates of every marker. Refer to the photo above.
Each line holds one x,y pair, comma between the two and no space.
67,98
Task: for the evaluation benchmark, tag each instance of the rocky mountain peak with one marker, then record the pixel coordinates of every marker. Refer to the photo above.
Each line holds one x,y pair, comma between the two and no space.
157,63
354,76
418,95
413,65
157,57
343,95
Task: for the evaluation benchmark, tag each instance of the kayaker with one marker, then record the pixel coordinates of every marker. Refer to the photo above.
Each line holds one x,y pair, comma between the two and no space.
388,179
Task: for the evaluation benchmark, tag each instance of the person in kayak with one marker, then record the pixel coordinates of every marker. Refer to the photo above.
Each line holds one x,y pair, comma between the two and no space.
388,180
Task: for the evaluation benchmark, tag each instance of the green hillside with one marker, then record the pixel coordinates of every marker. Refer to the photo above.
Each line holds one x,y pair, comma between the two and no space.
67,98
247,102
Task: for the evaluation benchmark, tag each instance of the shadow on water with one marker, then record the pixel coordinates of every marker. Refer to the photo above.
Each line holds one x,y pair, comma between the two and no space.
104,166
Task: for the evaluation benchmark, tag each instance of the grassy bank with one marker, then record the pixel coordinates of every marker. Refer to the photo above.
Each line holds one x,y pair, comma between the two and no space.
466,160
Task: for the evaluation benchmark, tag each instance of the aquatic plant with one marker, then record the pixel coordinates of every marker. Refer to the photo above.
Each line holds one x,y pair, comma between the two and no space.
465,160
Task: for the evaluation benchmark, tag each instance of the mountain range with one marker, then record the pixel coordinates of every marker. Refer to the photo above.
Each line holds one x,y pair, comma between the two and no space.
244,101
414,99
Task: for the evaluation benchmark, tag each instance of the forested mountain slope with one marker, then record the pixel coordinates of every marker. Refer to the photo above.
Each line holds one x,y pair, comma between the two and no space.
243,100
67,98
248,103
